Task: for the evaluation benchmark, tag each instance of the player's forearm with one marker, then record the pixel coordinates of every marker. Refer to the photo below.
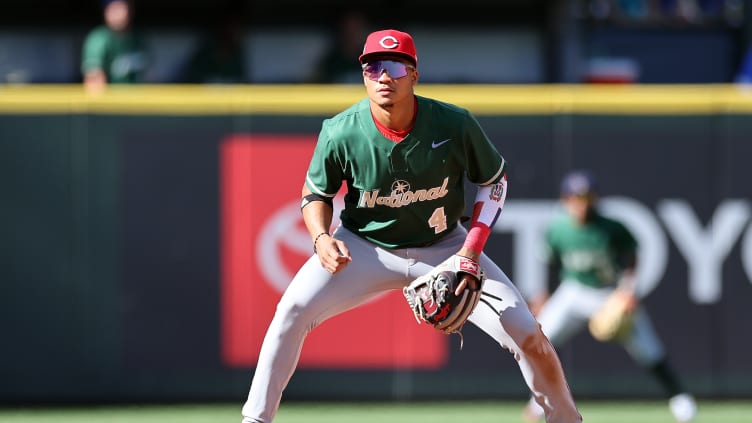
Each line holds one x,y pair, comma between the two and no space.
487,207
95,80
628,283
317,215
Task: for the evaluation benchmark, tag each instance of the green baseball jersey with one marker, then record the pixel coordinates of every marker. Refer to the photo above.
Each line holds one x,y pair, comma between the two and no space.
408,193
122,56
591,253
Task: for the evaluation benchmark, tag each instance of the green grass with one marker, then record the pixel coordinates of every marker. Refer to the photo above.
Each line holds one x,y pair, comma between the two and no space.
421,412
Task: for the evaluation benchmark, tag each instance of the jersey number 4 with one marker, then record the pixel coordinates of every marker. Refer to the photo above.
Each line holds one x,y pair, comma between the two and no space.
438,220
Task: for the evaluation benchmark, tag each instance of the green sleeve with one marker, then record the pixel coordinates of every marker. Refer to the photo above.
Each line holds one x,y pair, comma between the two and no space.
550,254
92,56
325,171
483,162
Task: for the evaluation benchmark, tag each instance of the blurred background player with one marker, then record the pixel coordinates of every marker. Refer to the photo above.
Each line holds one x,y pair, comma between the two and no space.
595,256
113,53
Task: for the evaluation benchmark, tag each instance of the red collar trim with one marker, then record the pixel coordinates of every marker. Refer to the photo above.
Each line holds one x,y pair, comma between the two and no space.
393,135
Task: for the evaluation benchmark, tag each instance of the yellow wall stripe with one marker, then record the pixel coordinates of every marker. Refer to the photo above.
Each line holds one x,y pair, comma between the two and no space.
330,99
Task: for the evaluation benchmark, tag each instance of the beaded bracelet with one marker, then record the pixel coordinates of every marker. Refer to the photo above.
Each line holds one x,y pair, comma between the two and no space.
317,240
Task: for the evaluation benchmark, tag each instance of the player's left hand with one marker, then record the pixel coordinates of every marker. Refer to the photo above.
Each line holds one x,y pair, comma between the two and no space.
433,297
469,282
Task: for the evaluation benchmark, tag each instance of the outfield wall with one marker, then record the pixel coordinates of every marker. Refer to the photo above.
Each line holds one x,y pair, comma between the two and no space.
147,234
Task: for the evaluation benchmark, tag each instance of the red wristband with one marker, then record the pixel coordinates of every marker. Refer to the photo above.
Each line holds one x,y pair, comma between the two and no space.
477,237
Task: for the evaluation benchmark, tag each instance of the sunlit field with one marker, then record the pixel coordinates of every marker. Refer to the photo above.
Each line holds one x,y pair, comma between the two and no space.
420,412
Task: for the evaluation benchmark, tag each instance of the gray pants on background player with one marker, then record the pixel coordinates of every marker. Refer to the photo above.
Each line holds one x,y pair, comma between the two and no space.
567,313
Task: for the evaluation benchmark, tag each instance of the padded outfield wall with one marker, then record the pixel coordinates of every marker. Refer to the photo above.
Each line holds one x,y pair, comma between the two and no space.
147,234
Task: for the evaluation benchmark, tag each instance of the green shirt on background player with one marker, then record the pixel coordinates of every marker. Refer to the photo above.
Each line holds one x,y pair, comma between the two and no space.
594,252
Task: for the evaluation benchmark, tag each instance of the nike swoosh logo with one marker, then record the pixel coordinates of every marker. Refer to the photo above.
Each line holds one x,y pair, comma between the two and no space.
435,144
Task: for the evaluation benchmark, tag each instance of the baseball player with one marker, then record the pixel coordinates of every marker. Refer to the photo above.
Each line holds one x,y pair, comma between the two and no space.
403,158
596,258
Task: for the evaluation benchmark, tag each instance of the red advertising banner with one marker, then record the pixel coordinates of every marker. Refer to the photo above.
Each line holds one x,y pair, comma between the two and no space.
263,243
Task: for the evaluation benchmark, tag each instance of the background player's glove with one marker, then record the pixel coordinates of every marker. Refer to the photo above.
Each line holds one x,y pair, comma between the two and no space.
613,319
432,296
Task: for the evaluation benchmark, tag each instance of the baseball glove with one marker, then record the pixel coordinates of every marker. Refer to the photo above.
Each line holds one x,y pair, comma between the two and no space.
613,319
432,299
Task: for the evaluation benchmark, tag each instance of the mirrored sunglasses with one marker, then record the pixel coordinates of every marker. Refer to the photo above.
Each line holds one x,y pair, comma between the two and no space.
396,70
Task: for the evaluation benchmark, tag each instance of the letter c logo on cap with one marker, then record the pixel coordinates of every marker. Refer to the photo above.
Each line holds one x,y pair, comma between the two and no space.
389,42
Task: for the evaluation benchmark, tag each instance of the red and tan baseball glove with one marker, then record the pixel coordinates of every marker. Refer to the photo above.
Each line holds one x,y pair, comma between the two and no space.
432,296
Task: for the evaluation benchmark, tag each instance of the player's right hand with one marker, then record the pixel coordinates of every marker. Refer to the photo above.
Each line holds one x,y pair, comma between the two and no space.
333,254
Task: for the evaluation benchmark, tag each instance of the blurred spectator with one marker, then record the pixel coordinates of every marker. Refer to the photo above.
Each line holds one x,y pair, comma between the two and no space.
337,64
667,11
220,57
635,9
744,75
113,53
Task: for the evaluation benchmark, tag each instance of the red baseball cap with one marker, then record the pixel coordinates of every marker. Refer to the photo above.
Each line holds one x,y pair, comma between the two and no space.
390,41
